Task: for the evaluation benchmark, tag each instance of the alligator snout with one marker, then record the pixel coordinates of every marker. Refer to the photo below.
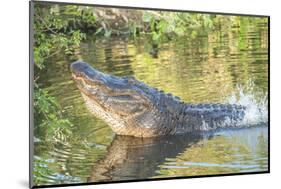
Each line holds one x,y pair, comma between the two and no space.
80,68
83,71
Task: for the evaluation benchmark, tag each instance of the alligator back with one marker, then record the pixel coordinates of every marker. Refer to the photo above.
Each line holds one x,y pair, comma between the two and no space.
204,117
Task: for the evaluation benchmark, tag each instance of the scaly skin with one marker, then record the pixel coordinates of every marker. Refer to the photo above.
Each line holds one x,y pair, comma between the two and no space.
131,107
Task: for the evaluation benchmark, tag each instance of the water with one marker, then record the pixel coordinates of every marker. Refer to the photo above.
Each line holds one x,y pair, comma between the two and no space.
228,65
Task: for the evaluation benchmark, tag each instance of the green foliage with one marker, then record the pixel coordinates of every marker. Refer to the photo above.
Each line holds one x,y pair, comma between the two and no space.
48,116
45,103
56,30
165,24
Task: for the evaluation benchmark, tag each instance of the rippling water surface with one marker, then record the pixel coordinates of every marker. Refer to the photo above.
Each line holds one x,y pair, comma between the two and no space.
228,65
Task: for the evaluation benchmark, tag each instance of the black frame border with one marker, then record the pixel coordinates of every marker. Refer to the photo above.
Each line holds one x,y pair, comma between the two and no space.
31,90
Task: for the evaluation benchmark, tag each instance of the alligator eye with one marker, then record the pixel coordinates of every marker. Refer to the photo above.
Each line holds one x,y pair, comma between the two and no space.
178,98
130,79
122,98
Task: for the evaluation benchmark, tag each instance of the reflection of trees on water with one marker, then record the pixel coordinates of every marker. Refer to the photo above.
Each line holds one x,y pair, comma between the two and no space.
223,58
233,151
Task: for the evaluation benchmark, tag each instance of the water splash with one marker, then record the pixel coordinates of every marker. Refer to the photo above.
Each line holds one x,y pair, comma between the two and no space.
256,104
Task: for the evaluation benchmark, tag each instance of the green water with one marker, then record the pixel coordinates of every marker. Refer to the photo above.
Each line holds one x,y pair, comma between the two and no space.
212,68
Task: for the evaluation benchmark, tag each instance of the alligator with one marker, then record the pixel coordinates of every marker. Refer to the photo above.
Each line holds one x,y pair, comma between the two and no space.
130,107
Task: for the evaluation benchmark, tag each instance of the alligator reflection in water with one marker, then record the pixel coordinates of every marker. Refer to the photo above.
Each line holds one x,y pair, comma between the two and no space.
131,157
140,158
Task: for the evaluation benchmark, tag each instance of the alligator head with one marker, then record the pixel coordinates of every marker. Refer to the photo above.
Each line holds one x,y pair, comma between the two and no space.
124,103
